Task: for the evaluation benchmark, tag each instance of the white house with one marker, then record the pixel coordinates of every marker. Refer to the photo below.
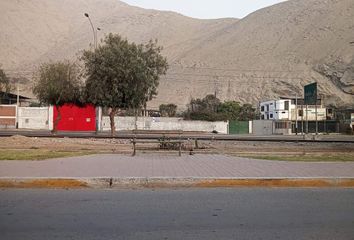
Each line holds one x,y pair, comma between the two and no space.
292,110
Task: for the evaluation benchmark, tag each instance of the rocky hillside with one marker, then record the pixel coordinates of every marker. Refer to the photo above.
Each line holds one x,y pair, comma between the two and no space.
272,52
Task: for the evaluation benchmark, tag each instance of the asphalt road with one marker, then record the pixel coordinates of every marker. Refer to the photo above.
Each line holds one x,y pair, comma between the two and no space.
185,135
177,214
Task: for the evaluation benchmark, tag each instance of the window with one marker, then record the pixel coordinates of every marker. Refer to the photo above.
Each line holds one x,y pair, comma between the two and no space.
286,105
271,115
267,108
262,108
282,125
262,117
301,113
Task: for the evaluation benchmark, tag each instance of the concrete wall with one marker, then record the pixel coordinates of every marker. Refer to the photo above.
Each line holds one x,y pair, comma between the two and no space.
160,123
262,127
271,127
33,118
311,114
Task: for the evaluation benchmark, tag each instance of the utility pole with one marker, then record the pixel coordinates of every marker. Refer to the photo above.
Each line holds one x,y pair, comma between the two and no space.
307,120
216,86
302,119
17,104
296,123
323,105
94,30
316,118
229,90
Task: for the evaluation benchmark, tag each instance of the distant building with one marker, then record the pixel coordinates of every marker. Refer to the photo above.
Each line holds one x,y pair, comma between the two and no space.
293,109
10,99
291,115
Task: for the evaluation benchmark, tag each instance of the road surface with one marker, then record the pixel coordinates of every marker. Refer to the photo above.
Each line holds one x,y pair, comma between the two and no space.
177,214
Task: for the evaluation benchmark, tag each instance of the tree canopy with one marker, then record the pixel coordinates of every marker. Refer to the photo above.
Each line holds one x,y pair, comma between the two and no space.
4,82
58,83
121,74
168,110
210,108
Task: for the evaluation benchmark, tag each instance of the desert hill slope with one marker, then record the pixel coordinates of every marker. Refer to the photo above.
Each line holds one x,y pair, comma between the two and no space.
272,52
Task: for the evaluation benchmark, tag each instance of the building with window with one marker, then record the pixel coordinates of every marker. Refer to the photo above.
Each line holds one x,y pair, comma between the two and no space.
291,115
293,109
10,99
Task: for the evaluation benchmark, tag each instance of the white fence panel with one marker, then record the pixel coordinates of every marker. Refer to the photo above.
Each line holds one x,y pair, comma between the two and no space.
164,124
33,118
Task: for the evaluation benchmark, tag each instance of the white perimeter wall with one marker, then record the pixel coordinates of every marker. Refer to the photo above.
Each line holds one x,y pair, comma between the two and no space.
33,117
262,127
167,124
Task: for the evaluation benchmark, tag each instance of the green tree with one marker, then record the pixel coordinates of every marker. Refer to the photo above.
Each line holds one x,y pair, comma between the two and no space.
168,110
121,74
211,103
248,112
4,83
210,108
231,109
56,84
204,109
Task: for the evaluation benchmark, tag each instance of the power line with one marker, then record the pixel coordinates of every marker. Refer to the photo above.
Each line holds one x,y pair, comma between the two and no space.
224,78
240,70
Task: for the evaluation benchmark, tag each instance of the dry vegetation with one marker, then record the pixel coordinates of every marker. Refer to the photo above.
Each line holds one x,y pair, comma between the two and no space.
25,148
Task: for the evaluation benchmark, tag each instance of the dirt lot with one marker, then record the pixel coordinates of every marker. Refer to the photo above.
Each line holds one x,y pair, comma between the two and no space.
221,147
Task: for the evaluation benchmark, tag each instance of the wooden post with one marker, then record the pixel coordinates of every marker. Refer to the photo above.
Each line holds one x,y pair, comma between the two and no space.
180,143
180,149
134,147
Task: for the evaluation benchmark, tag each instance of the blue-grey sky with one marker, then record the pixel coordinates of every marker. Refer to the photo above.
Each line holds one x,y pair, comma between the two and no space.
206,8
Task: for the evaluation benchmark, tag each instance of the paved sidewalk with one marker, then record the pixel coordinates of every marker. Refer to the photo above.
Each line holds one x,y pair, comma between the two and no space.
169,166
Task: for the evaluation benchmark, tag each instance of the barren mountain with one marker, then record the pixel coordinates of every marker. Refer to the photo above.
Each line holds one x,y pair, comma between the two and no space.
272,52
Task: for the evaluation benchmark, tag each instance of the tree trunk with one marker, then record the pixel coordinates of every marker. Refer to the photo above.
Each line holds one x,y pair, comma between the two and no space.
56,121
136,119
111,117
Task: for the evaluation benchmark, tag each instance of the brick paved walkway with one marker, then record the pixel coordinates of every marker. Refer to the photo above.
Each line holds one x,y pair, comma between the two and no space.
197,166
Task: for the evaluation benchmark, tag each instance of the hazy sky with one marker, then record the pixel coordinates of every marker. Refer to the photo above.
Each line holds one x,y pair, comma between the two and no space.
206,8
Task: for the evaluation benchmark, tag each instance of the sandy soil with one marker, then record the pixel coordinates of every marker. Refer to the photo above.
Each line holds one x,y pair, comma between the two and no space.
270,53
229,147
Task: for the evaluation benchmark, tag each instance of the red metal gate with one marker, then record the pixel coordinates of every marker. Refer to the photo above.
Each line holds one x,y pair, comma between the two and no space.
75,118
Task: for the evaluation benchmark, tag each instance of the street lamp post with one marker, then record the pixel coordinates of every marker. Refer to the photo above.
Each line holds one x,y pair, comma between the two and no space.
94,31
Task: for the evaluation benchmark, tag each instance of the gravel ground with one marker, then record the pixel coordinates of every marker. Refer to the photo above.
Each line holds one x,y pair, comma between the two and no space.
119,145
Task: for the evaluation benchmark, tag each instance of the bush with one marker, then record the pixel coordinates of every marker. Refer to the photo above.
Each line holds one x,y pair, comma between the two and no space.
205,116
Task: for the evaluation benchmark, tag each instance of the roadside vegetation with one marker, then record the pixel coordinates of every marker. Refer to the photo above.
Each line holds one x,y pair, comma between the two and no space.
4,82
117,74
39,154
57,84
210,108
122,75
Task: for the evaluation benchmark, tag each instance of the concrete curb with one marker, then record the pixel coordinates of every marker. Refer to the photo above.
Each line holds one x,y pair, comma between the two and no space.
124,183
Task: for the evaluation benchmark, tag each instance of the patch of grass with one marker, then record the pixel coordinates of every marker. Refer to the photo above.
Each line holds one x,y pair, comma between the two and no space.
305,158
39,154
